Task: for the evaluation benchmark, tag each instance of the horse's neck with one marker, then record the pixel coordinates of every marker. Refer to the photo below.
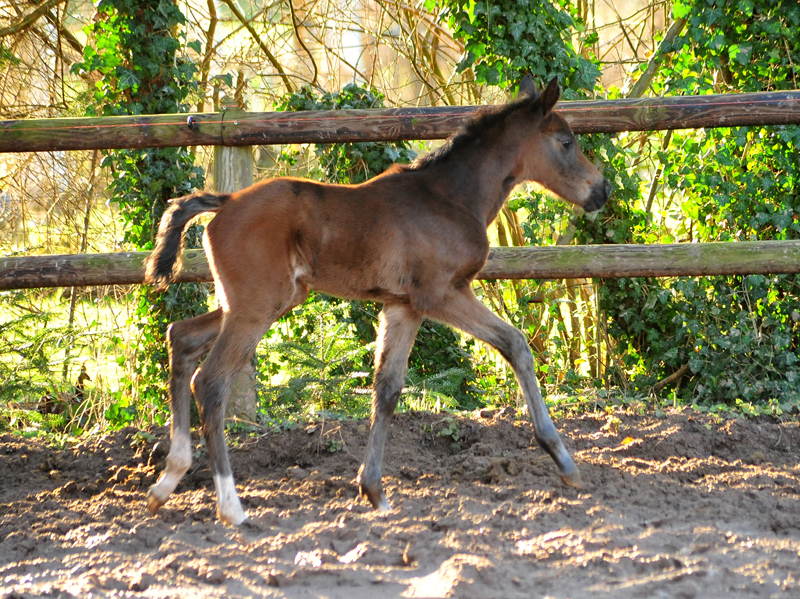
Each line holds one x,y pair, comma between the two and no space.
483,182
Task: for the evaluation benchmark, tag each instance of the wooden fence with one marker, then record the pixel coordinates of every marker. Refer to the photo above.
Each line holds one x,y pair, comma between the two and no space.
561,262
238,128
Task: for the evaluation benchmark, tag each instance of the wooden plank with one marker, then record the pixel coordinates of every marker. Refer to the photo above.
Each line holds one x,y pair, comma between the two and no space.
667,260
82,270
559,262
237,129
114,132
597,116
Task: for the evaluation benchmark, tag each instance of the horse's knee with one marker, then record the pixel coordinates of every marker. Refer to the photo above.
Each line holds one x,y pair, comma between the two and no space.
519,344
386,394
510,342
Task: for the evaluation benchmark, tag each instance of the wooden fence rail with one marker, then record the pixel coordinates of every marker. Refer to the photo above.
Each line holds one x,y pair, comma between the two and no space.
561,262
238,128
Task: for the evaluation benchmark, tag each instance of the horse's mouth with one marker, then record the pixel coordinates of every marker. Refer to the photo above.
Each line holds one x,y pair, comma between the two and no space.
598,197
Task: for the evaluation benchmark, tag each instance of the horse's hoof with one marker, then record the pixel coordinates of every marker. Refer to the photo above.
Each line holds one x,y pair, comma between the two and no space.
573,479
235,518
377,498
153,503
383,505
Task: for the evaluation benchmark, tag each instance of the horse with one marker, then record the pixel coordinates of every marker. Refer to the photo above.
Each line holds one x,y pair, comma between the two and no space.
412,238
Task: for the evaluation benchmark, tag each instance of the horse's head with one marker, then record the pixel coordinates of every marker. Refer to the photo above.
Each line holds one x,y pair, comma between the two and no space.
553,157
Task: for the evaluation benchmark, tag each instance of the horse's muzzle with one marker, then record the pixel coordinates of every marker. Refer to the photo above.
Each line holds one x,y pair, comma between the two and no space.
598,197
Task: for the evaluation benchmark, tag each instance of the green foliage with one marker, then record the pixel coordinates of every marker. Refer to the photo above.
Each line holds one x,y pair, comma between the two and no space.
440,370
738,335
506,39
35,347
353,162
8,58
137,55
312,361
29,340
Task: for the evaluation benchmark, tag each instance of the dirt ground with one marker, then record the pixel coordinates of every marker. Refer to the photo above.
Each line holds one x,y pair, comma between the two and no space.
677,506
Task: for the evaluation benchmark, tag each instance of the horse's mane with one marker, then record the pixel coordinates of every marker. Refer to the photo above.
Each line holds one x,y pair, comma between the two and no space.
474,131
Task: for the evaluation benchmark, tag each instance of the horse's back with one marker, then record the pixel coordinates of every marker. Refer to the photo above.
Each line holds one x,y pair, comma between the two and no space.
376,240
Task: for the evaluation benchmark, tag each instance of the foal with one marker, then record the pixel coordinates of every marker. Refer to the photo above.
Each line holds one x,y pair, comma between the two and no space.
413,238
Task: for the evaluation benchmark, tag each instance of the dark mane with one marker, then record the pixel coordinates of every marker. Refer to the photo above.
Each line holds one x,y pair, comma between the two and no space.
474,131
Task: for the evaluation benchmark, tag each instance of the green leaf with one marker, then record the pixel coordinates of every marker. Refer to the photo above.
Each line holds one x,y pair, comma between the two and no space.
681,10
517,28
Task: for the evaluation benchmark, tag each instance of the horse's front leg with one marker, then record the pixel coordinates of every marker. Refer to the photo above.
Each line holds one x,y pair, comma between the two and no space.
188,340
396,334
463,311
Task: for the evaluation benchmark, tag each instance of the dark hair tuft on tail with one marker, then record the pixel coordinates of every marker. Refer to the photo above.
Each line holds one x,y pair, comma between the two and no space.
164,263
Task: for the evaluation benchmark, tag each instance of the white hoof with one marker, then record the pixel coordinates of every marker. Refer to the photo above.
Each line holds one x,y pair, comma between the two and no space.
178,462
383,506
229,508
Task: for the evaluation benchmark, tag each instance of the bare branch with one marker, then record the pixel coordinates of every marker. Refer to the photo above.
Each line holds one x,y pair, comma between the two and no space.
274,61
652,68
30,18
73,42
302,43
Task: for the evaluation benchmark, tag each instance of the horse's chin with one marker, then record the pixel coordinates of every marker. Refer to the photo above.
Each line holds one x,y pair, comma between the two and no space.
592,216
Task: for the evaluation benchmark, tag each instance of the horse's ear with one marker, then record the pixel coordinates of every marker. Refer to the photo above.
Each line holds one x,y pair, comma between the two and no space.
550,96
527,88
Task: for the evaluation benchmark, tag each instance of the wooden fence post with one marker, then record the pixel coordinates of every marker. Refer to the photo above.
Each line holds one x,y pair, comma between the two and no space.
233,170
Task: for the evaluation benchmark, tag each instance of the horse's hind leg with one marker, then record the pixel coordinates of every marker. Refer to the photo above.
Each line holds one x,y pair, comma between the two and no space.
397,331
241,332
462,310
188,340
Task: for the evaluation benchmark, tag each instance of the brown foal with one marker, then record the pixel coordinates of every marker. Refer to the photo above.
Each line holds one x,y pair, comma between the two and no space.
413,238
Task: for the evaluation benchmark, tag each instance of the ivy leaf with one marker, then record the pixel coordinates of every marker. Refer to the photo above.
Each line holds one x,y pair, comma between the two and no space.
681,10
741,52
466,61
128,80
476,49
491,75
517,28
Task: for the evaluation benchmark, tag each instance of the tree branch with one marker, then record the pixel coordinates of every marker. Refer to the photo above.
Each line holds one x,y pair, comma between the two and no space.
671,378
74,43
302,43
238,14
29,19
652,68
205,66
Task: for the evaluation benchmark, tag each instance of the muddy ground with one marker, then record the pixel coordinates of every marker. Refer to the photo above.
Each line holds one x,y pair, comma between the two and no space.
677,506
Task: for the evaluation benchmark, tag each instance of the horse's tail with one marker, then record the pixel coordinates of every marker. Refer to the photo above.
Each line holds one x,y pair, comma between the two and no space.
164,263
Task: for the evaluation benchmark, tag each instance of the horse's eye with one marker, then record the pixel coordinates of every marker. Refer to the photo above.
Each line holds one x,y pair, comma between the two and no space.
566,144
